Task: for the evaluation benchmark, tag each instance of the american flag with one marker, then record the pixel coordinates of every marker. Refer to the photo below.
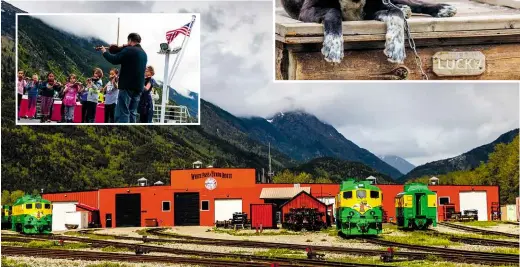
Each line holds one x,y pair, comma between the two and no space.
170,35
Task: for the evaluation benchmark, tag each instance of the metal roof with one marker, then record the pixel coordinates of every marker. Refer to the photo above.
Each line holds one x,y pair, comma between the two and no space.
282,192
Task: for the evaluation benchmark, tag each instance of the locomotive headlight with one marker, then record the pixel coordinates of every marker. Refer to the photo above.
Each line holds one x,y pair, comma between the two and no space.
351,213
372,213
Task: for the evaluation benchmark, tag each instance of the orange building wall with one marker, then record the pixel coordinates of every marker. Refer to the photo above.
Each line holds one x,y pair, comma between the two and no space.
231,184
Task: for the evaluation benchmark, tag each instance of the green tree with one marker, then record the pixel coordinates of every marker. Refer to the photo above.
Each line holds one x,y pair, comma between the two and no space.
285,177
501,169
6,197
15,195
303,178
322,180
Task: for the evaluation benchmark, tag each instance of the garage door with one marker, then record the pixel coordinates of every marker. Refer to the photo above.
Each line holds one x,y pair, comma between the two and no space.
59,214
224,208
186,209
474,201
128,210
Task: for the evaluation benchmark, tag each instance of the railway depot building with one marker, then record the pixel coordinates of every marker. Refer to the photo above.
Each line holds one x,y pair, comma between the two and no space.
202,196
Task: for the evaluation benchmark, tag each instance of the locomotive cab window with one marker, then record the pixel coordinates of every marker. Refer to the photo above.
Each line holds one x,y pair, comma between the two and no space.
374,194
28,206
361,194
47,206
347,194
38,205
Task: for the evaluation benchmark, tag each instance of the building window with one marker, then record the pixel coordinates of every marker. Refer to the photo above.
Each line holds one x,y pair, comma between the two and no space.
444,200
204,205
166,206
347,194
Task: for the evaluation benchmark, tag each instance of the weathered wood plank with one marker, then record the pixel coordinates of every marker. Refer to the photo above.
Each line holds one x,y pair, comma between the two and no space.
420,43
372,64
419,35
420,25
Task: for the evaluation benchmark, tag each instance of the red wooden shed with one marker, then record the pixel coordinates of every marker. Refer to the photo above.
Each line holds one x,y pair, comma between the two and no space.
304,200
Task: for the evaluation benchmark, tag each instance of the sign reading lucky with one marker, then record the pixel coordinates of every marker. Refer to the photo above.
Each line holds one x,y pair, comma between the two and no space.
459,63
211,174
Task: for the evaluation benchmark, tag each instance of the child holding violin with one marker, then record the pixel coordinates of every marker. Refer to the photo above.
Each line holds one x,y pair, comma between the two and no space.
93,88
48,89
69,97
111,93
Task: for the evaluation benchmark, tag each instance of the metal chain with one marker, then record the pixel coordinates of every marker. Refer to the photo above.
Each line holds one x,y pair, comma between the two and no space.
411,42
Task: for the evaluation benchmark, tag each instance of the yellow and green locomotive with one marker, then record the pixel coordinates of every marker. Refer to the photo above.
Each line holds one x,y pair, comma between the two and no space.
359,209
6,216
416,207
32,215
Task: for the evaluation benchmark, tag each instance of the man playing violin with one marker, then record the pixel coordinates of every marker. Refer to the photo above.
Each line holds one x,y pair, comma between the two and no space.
132,59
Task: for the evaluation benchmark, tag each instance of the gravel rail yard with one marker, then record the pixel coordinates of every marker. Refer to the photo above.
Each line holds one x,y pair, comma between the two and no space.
477,230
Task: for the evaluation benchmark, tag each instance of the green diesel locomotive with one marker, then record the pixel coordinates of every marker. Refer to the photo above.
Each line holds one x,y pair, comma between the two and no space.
359,209
32,215
416,207
6,216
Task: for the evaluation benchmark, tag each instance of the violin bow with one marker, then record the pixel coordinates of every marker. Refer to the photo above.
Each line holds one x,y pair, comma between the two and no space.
117,31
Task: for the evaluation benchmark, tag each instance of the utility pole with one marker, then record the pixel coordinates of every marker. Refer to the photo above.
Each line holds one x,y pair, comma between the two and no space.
270,174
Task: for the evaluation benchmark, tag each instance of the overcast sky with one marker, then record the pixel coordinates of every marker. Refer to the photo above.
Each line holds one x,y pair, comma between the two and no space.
417,121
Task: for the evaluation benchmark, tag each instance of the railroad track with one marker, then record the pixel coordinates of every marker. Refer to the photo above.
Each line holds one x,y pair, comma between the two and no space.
444,253
476,230
149,248
105,256
465,253
478,241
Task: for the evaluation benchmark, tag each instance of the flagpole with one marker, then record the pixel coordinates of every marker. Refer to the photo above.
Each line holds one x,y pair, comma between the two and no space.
178,57
165,86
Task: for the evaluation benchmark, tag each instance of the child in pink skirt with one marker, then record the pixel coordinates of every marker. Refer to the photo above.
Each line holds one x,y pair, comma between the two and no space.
69,97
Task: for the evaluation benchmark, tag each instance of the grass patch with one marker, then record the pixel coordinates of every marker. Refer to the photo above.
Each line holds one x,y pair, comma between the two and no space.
47,244
281,252
389,228
12,263
331,231
250,233
229,259
115,249
89,235
143,232
483,224
108,264
505,250
421,238
243,252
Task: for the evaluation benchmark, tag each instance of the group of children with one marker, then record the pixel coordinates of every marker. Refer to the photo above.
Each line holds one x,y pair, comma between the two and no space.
88,95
